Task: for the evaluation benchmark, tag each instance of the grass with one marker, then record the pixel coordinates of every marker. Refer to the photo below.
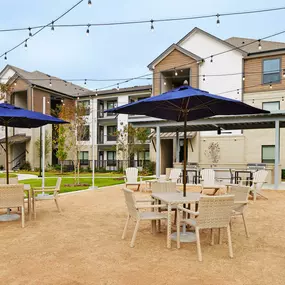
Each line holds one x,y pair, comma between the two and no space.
100,182
3,175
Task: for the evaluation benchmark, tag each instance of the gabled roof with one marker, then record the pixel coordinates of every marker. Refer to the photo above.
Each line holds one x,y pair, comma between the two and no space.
253,48
195,30
42,80
168,51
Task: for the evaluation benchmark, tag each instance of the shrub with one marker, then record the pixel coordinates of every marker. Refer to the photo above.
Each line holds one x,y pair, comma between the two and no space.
26,166
1,167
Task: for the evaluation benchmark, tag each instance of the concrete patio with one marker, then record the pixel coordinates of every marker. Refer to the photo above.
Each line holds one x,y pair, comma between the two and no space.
82,245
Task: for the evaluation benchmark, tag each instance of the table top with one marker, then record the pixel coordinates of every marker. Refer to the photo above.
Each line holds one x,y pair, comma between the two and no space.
177,198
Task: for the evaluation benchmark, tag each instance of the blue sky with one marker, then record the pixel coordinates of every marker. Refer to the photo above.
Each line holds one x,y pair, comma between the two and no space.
121,51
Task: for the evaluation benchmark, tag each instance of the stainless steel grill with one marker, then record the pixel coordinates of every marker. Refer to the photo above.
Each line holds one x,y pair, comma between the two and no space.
256,166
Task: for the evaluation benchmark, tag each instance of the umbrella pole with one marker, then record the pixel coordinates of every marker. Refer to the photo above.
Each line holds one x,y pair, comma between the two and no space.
7,154
185,156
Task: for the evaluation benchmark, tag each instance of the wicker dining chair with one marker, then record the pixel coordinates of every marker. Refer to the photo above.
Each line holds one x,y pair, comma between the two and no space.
214,213
135,213
54,196
12,196
241,194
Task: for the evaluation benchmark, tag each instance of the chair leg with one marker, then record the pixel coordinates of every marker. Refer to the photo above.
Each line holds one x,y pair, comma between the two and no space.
220,236
212,237
175,217
23,216
57,205
126,226
135,233
254,195
159,226
230,242
198,244
178,229
139,186
34,207
245,226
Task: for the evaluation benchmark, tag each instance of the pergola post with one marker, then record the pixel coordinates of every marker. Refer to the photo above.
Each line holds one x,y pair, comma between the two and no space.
157,172
177,146
277,155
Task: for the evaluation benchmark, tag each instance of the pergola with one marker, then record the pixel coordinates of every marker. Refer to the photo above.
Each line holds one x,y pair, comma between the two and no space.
274,120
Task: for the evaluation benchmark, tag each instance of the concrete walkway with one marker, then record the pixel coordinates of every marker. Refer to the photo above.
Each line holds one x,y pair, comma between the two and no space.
26,176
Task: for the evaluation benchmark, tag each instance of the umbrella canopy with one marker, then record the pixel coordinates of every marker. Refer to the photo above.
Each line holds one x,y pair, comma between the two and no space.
12,116
186,104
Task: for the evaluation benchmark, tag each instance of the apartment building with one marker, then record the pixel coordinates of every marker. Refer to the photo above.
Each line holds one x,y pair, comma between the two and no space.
29,89
106,126
233,68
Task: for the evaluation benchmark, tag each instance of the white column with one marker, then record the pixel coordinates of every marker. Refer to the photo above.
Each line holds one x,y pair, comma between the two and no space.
177,146
277,155
43,145
93,144
157,152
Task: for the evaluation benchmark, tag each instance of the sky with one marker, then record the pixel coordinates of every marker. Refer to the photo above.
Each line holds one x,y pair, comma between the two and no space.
120,51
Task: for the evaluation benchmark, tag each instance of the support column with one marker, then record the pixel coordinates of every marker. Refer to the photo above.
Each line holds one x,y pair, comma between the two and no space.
157,172
277,155
177,146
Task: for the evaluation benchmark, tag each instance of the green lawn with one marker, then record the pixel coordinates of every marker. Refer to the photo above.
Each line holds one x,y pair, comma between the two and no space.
3,175
100,182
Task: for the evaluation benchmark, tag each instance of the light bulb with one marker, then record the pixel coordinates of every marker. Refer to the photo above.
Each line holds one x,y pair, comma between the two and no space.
151,25
50,84
30,32
52,25
89,3
175,72
85,82
164,83
218,20
87,31
211,58
5,56
259,45
26,45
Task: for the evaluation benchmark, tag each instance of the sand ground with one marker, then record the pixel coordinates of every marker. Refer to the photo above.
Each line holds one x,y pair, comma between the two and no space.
82,245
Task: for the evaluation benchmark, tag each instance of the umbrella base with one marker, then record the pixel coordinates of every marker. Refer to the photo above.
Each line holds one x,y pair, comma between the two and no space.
185,237
9,217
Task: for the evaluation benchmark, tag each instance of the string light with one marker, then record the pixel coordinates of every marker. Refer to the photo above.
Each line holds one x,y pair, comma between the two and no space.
118,86
50,84
96,92
218,20
211,58
270,85
87,31
151,25
175,72
252,101
204,78
259,45
52,25
15,83
282,98
89,3
30,32
26,45
164,83
5,56
283,72
243,77
85,81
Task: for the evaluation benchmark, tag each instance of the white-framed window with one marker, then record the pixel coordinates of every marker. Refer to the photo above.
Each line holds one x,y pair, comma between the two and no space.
111,158
271,71
83,157
268,153
271,106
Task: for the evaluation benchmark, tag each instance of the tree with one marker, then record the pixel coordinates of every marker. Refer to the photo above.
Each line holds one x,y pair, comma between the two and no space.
5,91
213,152
71,136
48,142
130,141
61,152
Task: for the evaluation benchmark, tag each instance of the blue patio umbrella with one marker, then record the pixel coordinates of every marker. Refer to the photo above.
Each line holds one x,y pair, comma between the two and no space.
12,116
184,104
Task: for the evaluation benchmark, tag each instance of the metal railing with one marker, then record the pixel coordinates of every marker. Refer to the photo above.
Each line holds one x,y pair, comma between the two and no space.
106,165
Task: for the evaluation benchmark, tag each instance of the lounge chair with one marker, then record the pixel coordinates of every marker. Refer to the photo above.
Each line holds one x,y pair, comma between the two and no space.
131,177
214,213
209,181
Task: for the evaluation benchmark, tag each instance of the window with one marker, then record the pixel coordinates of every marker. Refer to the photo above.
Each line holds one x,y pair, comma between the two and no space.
111,158
83,133
271,71
271,106
267,154
111,133
143,155
83,157
84,107
111,105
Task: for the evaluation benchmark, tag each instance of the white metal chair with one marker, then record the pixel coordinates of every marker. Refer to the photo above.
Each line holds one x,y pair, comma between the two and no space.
240,203
46,194
135,213
259,178
214,213
209,181
12,196
131,177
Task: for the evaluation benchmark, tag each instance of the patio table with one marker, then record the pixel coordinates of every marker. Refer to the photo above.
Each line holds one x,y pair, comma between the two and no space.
172,198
